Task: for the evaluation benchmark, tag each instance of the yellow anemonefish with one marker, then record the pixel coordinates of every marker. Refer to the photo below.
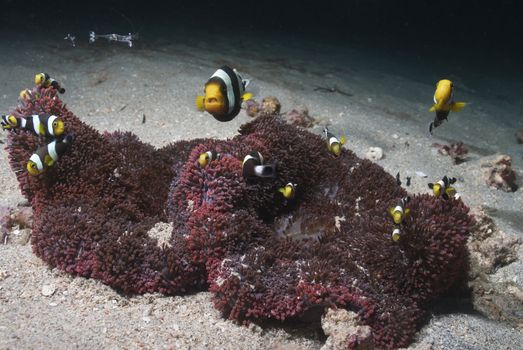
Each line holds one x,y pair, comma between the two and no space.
207,157
43,79
224,93
47,155
399,213
27,94
443,187
333,143
396,234
288,191
253,166
41,125
444,103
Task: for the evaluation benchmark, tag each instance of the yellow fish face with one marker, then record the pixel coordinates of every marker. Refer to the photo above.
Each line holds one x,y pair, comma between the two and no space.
396,236
437,189
203,160
397,217
443,94
32,169
40,79
58,127
25,94
336,149
214,101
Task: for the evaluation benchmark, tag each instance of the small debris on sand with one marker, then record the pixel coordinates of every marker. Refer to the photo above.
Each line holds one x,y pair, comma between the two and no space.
374,153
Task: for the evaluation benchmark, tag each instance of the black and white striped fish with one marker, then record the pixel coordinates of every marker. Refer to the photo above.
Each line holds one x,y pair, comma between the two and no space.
43,79
47,155
399,213
50,125
224,94
207,157
253,166
333,143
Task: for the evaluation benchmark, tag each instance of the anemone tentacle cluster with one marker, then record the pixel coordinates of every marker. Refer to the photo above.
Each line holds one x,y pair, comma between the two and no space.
261,255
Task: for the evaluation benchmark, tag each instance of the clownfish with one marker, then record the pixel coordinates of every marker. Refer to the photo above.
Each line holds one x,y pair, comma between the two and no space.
333,143
443,188
399,213
288,191
396,233
253,166
47,155
41,125
44,80
207,157
444,103
27,94
224,94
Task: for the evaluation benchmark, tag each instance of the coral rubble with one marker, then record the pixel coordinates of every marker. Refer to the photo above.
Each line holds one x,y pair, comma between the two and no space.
457,151
261,255
499,173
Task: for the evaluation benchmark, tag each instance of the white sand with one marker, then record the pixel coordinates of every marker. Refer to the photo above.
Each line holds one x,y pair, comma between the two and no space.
388,108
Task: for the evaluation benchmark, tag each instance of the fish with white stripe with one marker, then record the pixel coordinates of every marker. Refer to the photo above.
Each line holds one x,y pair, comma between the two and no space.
333,143
224,93
205,158
47,155
48,125
45,80
253,166
444,189
399,213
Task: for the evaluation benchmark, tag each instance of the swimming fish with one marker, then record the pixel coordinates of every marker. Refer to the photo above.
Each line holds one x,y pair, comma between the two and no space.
399,213
398,180
396,233
207,157
43,79
27,94
333,143
253,166
47,155
41,125
443,187
289,190
444,103
224,94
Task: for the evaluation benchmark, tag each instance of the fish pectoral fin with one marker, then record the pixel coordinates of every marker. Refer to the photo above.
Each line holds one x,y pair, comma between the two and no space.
432,109
457,106
48,160
199,103
247,96
391,211
342,140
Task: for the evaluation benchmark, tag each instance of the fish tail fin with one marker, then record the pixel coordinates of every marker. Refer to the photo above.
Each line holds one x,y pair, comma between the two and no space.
247,96
281,190
433,108
431,127
407,212
457,106
199,103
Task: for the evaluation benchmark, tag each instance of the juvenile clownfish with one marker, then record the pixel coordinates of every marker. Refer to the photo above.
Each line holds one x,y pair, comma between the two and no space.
41,125
47,155
396,234
27,94
253,166
224,94
43,79
444,103
399,213
207,157
288,191
333,143
443,188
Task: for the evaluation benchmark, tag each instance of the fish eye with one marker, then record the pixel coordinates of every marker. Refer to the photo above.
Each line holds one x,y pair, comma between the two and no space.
55,124
33,165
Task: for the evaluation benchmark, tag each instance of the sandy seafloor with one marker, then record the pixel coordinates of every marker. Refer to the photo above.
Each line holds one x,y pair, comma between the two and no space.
111,86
